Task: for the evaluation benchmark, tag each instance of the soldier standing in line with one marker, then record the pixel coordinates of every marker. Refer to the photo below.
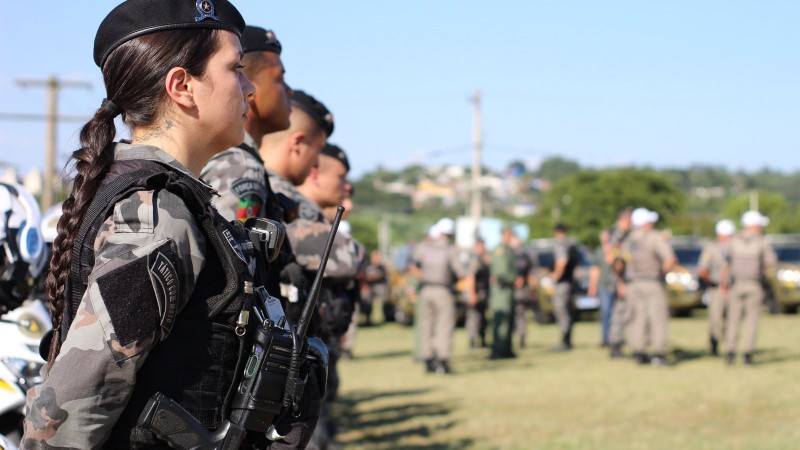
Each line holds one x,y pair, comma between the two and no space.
438,267
238,174
651,258
477,295
713,270
750,257
566,260
501,296
377,281
326,188
523,298
621,312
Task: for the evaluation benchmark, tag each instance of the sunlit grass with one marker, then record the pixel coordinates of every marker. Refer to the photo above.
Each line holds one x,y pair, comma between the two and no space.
581,399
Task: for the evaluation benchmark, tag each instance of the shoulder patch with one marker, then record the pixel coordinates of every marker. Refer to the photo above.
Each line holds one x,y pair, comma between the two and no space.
166,285
246,187
249,207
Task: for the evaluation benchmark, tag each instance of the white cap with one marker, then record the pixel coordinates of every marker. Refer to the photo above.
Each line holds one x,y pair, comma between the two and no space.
754,218
643,216
434,232
446,226
725,227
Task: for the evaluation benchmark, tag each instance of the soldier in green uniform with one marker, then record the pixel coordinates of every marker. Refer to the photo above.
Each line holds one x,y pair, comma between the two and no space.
501,296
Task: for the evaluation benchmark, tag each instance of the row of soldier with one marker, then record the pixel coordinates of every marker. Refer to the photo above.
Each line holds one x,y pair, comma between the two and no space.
627,276
286,170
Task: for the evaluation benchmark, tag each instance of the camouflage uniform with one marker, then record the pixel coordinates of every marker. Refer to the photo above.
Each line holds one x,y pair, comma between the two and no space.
109,340
307,230
240,180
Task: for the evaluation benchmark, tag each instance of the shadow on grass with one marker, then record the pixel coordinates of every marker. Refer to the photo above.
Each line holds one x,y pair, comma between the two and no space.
391,426
765,356
682,355
385,355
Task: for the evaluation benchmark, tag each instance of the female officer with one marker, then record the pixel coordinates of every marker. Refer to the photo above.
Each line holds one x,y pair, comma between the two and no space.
164,291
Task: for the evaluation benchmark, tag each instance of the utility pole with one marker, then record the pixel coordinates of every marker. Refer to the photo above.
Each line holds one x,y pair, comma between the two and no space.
475,201
53,86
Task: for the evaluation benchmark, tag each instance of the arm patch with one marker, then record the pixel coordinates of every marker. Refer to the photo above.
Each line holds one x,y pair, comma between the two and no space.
142,295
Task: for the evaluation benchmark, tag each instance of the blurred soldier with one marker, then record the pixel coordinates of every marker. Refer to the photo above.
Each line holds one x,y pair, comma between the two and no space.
603,284
501,296
377,282
523,299
289,156
325,187
650,258
566,259
713,270
750,256
238,174
438,268
621,311
477,295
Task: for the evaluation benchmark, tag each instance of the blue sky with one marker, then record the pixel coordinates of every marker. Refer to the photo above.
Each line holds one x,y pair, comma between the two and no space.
667,83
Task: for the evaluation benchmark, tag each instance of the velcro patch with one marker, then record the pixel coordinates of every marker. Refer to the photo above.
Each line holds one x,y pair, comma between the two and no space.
131,301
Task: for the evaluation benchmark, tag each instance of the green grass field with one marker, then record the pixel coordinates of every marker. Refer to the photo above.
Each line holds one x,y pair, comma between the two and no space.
575,400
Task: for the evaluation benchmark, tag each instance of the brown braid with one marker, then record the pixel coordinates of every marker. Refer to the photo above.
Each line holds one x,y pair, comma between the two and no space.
133,75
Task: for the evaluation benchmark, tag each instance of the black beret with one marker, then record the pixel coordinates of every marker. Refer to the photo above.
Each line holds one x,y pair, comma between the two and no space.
256,39
334,151
315,109
135,18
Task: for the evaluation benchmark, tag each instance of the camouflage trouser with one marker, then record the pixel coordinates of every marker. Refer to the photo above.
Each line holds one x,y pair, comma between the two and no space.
744,302
620,318
650,313
349,338
717,303
437,322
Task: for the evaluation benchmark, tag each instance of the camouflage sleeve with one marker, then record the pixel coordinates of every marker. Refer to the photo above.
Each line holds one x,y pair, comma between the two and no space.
560,251
240,181
456,265
308,241
149,253
663,248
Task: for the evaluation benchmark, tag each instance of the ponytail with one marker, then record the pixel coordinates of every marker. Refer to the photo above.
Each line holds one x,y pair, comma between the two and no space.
92,162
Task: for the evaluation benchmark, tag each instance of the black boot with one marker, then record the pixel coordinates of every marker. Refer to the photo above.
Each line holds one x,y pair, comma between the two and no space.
430,365
616,351
714,344
730,358
443,368
641,358
748,359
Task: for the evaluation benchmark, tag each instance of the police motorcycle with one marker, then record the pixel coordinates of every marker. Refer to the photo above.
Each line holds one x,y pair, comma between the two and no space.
23,321
270,384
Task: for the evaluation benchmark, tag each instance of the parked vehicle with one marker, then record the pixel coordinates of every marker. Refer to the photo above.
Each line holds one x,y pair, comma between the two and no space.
782,285
541,251
684,292
21,331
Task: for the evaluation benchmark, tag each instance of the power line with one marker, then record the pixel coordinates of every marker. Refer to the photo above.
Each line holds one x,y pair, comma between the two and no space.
53,86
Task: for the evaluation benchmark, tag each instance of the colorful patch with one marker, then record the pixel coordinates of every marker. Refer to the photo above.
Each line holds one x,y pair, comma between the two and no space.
248,207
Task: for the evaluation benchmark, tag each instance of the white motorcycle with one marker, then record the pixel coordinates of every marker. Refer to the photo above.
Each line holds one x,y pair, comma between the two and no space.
21,331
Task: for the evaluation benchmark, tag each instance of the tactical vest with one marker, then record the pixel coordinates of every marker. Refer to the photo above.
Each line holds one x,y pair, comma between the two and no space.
746,256
196,364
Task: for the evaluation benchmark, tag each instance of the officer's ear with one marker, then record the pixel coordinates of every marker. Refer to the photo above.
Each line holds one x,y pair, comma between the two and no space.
179,86
296,140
